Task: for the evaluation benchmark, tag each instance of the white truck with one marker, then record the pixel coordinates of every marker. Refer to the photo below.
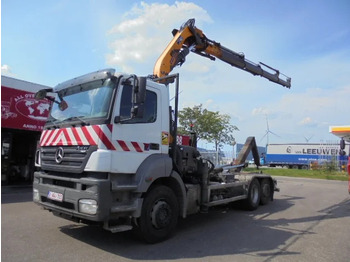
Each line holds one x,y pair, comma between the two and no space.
108,154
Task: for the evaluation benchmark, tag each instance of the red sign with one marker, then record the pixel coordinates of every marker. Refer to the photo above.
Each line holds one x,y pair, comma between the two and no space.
20,110
183,140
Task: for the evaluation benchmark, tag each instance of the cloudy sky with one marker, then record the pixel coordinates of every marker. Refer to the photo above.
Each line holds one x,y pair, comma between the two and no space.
48,42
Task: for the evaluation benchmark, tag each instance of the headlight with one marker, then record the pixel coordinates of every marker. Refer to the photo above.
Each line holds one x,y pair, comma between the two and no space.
88,206
36,196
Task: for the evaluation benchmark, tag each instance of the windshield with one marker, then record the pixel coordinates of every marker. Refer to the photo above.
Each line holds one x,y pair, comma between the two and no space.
90,100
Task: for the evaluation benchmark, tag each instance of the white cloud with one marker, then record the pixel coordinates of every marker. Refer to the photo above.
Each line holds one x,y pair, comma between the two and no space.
7,71
146,30
196,67
209,102
306,121
260,111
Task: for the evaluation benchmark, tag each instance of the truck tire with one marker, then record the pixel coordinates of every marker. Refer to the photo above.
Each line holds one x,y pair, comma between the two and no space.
254,193
265,187
159,214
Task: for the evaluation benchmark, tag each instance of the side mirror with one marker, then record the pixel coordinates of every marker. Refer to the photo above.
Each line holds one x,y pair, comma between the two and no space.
41,94
138,97
63,105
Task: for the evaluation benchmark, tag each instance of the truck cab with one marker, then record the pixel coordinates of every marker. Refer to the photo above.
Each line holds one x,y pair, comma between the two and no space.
103,146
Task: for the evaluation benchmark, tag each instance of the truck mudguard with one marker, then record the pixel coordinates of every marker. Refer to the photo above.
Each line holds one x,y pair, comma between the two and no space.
159,166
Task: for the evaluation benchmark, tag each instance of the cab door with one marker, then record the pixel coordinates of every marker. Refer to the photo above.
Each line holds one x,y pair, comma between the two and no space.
135,138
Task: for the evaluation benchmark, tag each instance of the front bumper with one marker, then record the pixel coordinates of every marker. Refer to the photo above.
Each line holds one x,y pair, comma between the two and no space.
72,190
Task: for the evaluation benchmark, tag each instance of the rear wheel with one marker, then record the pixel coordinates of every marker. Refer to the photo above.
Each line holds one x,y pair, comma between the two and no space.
159,214
265,191
254,193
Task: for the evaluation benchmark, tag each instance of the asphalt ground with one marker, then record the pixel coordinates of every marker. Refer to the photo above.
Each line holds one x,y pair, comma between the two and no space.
309,220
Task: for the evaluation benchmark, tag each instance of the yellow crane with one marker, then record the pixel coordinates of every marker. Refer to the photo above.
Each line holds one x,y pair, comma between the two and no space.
190,38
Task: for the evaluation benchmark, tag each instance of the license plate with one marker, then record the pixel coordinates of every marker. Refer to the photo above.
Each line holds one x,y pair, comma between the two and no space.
55,196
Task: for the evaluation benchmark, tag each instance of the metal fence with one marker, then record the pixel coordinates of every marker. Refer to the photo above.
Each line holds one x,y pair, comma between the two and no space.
332,162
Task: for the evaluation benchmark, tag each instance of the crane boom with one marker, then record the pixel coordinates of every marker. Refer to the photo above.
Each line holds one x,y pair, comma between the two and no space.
189,38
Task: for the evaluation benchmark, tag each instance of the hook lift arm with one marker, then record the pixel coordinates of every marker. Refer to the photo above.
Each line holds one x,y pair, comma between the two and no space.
189,38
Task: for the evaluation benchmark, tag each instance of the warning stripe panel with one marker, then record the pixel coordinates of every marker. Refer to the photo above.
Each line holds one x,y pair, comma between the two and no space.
44,136
123,145
88,136
83,140
104,139
99,135
51,136
61,139
71,136
136,146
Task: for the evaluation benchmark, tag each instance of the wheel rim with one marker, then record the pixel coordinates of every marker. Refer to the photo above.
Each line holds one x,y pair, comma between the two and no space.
161,214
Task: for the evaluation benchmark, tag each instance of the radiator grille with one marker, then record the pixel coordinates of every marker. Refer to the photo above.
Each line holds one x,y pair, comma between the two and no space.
68,158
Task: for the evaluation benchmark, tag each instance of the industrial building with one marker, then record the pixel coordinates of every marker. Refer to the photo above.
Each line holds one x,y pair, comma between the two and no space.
22,120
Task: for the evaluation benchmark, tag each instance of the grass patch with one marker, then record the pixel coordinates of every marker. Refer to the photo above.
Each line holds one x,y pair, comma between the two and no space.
320,174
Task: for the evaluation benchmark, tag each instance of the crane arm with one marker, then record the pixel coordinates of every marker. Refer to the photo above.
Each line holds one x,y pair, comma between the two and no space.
189,38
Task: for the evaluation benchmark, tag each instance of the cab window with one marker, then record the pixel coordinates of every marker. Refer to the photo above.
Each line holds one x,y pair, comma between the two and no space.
150,111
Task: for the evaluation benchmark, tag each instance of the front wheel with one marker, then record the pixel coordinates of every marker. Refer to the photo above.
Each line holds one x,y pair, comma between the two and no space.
160,211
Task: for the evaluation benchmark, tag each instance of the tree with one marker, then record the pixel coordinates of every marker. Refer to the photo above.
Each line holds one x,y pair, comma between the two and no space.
208,125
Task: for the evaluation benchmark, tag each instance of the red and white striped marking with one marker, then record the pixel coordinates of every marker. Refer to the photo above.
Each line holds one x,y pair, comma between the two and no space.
99,135
183,140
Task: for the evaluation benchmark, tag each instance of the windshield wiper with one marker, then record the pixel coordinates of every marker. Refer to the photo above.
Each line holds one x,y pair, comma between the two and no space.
80,118
52,121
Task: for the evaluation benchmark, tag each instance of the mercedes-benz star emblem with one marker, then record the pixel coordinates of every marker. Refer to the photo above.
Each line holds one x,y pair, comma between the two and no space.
59,155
